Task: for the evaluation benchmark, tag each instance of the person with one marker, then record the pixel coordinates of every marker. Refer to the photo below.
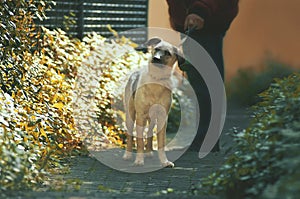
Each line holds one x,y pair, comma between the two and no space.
209,20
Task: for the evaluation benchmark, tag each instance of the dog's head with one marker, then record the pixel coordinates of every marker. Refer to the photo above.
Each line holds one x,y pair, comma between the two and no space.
163,53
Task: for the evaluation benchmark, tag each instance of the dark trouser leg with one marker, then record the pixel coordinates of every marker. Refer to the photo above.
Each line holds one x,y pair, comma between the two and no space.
213,44
201,91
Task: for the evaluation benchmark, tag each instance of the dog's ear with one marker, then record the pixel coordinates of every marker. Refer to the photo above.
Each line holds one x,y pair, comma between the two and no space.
180,59
153,41
150,43
179,55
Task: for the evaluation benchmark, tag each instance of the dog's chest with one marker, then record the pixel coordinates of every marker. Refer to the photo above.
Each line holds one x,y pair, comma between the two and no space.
153,93
164,80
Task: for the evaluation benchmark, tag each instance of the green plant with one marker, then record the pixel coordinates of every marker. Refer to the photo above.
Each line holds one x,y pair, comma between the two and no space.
39,129
288,184
18,37
174,117
69,21
38,78
34,128
244,88
19,154
266,152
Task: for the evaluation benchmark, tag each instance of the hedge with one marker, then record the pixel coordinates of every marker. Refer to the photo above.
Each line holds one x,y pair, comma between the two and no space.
39,78
265,160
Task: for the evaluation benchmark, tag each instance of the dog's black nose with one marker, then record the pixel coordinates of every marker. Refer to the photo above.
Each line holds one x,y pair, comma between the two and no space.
156,60
157,55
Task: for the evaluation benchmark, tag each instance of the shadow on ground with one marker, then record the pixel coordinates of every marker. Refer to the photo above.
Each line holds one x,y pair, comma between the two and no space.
89,178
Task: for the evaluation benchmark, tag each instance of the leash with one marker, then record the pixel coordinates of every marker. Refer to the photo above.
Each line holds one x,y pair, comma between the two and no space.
186,64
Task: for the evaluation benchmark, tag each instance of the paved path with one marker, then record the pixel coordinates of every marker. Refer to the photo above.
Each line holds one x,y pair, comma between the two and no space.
89,178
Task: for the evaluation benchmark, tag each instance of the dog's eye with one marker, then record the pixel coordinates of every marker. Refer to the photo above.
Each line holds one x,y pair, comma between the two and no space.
167,53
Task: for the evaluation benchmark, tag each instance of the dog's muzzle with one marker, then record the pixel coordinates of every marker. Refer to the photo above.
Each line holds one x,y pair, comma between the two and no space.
158,57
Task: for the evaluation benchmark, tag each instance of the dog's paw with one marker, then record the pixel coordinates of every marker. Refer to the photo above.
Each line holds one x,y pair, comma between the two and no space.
138,163
127,155
139,160
168,164
149,154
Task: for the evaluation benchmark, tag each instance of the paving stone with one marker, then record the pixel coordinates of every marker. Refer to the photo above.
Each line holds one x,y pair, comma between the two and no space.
101,181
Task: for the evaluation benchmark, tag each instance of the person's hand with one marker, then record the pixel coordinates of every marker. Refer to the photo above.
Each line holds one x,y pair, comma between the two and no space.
193,21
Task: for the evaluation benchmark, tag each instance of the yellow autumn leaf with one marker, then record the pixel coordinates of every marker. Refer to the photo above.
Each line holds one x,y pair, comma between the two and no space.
58,105
134,45
25,126
34,134
43,133
115,33
54,99
60,145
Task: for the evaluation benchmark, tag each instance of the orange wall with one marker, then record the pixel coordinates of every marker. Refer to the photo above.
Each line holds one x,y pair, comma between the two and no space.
158,14
159,18
263,27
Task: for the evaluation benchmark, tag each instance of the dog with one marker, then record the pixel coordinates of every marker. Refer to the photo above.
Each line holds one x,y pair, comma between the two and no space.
148,98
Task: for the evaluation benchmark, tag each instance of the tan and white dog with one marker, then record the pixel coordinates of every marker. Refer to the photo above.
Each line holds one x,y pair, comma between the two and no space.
147,100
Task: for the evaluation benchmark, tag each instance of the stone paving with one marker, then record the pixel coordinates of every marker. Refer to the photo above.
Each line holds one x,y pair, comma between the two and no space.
92,179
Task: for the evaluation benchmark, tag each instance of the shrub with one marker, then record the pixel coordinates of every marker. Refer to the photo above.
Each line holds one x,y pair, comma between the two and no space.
47,109
36,125
244,88
19,154
40,77
18,37
181,112
174,116
100,86
40,129
267,151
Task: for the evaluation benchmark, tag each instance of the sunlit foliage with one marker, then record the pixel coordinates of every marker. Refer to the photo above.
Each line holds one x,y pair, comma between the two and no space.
18,37
39,77
100,85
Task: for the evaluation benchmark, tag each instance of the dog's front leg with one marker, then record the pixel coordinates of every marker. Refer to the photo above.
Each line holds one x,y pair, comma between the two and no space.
149,145
140,126
161,138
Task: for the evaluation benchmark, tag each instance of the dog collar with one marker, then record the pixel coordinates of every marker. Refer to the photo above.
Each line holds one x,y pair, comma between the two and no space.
159,79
